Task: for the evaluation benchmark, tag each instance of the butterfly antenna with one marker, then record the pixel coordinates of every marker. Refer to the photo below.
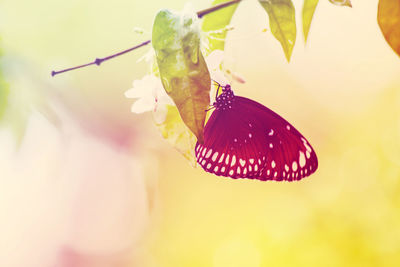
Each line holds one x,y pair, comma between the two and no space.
215,81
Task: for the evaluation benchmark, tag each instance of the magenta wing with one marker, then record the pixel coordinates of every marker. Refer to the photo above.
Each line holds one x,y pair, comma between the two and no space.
251,141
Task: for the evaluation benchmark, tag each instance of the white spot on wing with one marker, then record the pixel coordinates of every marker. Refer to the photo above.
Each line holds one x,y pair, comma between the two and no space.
251,161
271,132
208,165
288,127
245,171
203,162
242,162
256,167
222,169
286,167
271,145
233,160
306,145
294,166
273,164
227,159
302,159
208,153
308,154
238,170
250,135
214,157
204,151
231,172
216,169
221,158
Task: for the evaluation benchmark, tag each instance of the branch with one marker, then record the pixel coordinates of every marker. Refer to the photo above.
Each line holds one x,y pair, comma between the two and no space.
98,61
203,12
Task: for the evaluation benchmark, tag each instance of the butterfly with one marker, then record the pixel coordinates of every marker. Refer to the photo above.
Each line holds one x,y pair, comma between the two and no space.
244,139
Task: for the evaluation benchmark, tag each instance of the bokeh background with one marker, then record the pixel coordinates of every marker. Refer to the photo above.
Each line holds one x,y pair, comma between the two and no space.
86,183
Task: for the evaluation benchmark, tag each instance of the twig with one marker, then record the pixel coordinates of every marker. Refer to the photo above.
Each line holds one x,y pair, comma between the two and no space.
98,61
206,11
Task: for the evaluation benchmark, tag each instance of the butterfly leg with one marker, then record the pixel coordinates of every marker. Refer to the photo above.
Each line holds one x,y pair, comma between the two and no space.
219,86
216,94
210,108
217,83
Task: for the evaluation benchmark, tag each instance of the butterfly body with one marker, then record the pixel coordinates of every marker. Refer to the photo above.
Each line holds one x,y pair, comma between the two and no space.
244,139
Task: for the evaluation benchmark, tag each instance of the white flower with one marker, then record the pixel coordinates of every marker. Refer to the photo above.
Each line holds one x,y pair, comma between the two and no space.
150,95
219,71
214,63
148,57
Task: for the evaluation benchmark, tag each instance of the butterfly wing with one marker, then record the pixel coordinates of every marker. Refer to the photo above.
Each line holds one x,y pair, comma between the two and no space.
229,148
290,157
251,141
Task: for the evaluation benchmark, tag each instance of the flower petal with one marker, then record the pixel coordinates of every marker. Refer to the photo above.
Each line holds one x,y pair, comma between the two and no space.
160,114
133,93
220,77
214,59
143,105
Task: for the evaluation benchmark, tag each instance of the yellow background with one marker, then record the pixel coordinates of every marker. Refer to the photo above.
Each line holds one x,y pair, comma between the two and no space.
341,91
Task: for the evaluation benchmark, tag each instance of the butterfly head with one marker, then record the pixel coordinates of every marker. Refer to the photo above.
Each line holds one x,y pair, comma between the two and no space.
226,88
225,99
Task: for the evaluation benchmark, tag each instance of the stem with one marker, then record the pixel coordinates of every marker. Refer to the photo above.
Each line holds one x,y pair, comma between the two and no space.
206,11
98,61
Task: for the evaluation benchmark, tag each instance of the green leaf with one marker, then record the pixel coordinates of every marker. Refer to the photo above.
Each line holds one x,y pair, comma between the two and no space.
183,70
344,2
216,22
308,13
176,133
389,22
282,22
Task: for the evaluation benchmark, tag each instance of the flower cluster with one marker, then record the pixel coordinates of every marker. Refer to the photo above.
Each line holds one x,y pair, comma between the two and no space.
151,95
